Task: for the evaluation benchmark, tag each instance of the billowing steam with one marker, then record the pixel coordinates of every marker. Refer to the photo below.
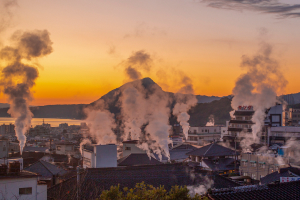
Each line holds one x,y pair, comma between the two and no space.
101,124
184,102
146,118
258,87
137,62
211,121
201,189
18,78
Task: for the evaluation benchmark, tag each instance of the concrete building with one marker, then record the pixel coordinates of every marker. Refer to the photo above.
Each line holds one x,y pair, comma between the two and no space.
258,165
204,135
12,160
22,186
294,116
282,134
65,148
99,156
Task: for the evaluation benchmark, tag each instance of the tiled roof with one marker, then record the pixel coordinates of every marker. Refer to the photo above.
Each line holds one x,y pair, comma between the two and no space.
96,180
137,159
212,150
45,169
289,191
35,149
22,174
283,172
184,147
223,164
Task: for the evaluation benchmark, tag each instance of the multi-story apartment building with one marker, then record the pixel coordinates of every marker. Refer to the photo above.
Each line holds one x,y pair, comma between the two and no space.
294,116
204,134
259,165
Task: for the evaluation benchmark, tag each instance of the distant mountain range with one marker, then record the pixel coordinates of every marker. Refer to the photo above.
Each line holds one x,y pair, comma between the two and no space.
207,105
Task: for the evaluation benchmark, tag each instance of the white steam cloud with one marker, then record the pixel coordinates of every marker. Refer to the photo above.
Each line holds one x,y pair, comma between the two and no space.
258,87
18,78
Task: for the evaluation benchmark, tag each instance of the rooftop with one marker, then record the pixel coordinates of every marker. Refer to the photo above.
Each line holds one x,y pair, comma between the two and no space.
45,169
289,190
212,150
137,159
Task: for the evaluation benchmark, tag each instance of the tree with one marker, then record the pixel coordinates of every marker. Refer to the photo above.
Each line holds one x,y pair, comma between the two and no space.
149,192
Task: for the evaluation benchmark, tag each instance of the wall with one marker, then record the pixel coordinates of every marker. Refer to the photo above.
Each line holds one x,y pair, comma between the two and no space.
42,192
88,159
133,149
106,155
9,189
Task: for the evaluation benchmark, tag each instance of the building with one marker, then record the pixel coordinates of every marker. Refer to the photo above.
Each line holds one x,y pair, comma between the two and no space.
282,134
131,147
4,146
294,116
281,172
99,156
65,148
48,172
6,161
63,125
275,116
214,157
176,139
203,135
21,185
7,129
241,122
258,165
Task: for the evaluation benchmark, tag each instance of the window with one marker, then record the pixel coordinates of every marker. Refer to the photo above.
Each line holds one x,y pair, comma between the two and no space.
58,148
245,174
27,190
253,164
262,165
245,163
128,148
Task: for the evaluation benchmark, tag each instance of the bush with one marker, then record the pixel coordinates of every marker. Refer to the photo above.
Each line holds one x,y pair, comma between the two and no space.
143,191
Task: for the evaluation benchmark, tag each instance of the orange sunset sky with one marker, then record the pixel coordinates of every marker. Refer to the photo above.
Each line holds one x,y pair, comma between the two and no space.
91,38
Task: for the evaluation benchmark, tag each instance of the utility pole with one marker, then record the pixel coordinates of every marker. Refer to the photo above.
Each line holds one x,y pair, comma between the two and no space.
235,153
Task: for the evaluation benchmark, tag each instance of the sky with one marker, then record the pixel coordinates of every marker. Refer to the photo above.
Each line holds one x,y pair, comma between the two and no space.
204,40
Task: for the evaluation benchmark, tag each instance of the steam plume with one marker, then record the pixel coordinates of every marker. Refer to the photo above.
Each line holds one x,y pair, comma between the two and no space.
258,87
18,78
211,121
146,118
184,102
101,124
137,62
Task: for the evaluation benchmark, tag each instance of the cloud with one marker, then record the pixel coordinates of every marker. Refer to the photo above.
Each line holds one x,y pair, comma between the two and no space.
282,10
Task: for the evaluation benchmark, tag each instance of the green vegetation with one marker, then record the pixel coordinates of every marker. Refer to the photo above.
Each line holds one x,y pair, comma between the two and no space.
143,191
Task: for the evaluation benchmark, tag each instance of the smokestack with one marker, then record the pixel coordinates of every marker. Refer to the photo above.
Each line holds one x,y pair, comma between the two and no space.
18,78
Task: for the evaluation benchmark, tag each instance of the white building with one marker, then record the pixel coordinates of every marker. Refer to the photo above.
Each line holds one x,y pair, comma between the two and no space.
204,134
99,156
282,134
130,147
23,186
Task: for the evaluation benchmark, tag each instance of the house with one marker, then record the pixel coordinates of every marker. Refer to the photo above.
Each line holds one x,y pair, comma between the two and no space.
21,185
99,156
214,157
50,173
94,180
138,159
274,177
